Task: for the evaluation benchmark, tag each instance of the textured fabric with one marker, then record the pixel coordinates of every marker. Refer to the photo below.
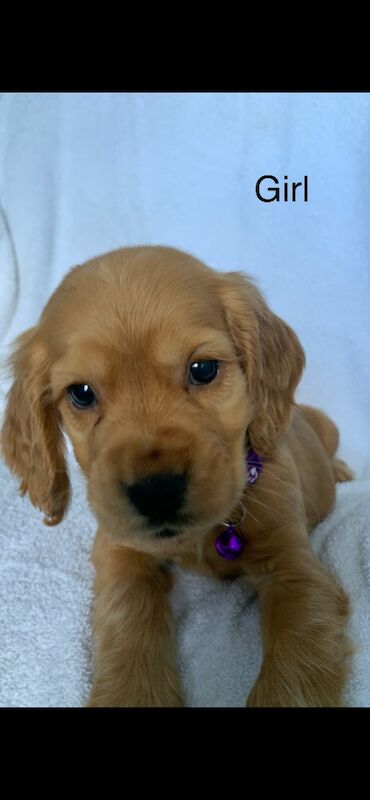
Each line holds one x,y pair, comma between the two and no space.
46,601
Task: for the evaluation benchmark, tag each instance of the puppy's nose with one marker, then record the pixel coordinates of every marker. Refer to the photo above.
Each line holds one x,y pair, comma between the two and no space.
159,497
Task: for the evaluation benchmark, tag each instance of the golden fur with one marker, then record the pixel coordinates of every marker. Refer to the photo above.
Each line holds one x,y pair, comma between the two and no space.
129,323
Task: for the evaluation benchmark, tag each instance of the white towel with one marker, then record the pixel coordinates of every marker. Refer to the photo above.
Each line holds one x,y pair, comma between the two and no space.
46,601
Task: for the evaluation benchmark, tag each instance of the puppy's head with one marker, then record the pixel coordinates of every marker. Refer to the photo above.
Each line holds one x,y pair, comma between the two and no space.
156,367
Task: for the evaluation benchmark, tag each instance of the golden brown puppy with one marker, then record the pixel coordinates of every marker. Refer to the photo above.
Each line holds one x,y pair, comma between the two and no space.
166,376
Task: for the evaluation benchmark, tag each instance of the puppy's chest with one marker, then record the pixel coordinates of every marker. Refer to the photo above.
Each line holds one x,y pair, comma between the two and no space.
209,559
206,561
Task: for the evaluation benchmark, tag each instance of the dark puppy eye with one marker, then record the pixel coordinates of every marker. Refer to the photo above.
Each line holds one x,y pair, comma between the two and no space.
81,395
202,372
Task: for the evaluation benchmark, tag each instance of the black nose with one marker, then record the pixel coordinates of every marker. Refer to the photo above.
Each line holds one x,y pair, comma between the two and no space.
159,497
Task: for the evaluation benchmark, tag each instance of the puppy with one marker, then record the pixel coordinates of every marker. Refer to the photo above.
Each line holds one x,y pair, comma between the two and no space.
175,385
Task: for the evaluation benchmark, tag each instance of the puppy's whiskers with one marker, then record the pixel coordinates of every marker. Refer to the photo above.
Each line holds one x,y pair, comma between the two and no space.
271,471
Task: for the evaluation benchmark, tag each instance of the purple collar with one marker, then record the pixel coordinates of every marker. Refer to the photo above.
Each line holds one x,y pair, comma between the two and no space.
229,544
254,466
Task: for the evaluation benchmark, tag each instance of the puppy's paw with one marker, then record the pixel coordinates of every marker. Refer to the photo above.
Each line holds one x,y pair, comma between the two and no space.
307,671
273,691
106,695
341,471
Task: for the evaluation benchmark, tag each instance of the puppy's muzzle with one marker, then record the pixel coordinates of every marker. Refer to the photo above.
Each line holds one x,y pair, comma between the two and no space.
159,498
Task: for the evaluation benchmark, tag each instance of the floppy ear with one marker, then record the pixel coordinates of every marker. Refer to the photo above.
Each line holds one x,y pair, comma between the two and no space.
271,356
32,442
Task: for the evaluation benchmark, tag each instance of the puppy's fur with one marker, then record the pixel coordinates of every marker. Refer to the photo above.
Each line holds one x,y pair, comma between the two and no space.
129,324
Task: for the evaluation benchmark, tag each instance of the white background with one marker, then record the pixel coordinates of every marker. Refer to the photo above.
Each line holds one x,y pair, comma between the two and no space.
81,174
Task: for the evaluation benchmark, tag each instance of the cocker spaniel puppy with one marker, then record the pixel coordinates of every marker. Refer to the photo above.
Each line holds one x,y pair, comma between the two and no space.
175,384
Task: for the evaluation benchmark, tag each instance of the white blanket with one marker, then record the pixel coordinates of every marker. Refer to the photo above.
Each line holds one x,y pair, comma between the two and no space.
46,601
83,174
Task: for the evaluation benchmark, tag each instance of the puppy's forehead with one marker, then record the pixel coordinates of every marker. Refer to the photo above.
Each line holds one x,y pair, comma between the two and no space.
132,295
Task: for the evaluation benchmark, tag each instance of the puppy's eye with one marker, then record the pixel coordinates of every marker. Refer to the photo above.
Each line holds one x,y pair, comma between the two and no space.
202,372
81,395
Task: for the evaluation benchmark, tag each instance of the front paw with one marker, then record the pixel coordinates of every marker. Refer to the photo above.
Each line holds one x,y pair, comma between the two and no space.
109,695
273,691
305,677
270,691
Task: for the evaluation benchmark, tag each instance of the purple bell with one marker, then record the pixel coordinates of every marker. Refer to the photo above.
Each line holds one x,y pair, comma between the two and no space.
229,544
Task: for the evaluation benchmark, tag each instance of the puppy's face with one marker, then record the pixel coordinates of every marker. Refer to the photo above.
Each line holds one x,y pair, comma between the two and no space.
156,366
160,430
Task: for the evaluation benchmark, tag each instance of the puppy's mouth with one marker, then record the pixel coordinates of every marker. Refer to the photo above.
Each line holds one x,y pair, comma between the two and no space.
177,528
167,533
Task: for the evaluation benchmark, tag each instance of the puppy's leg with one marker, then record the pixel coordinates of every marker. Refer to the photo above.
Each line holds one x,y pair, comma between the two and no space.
134,641
328,434
325,428
341,470
306,649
